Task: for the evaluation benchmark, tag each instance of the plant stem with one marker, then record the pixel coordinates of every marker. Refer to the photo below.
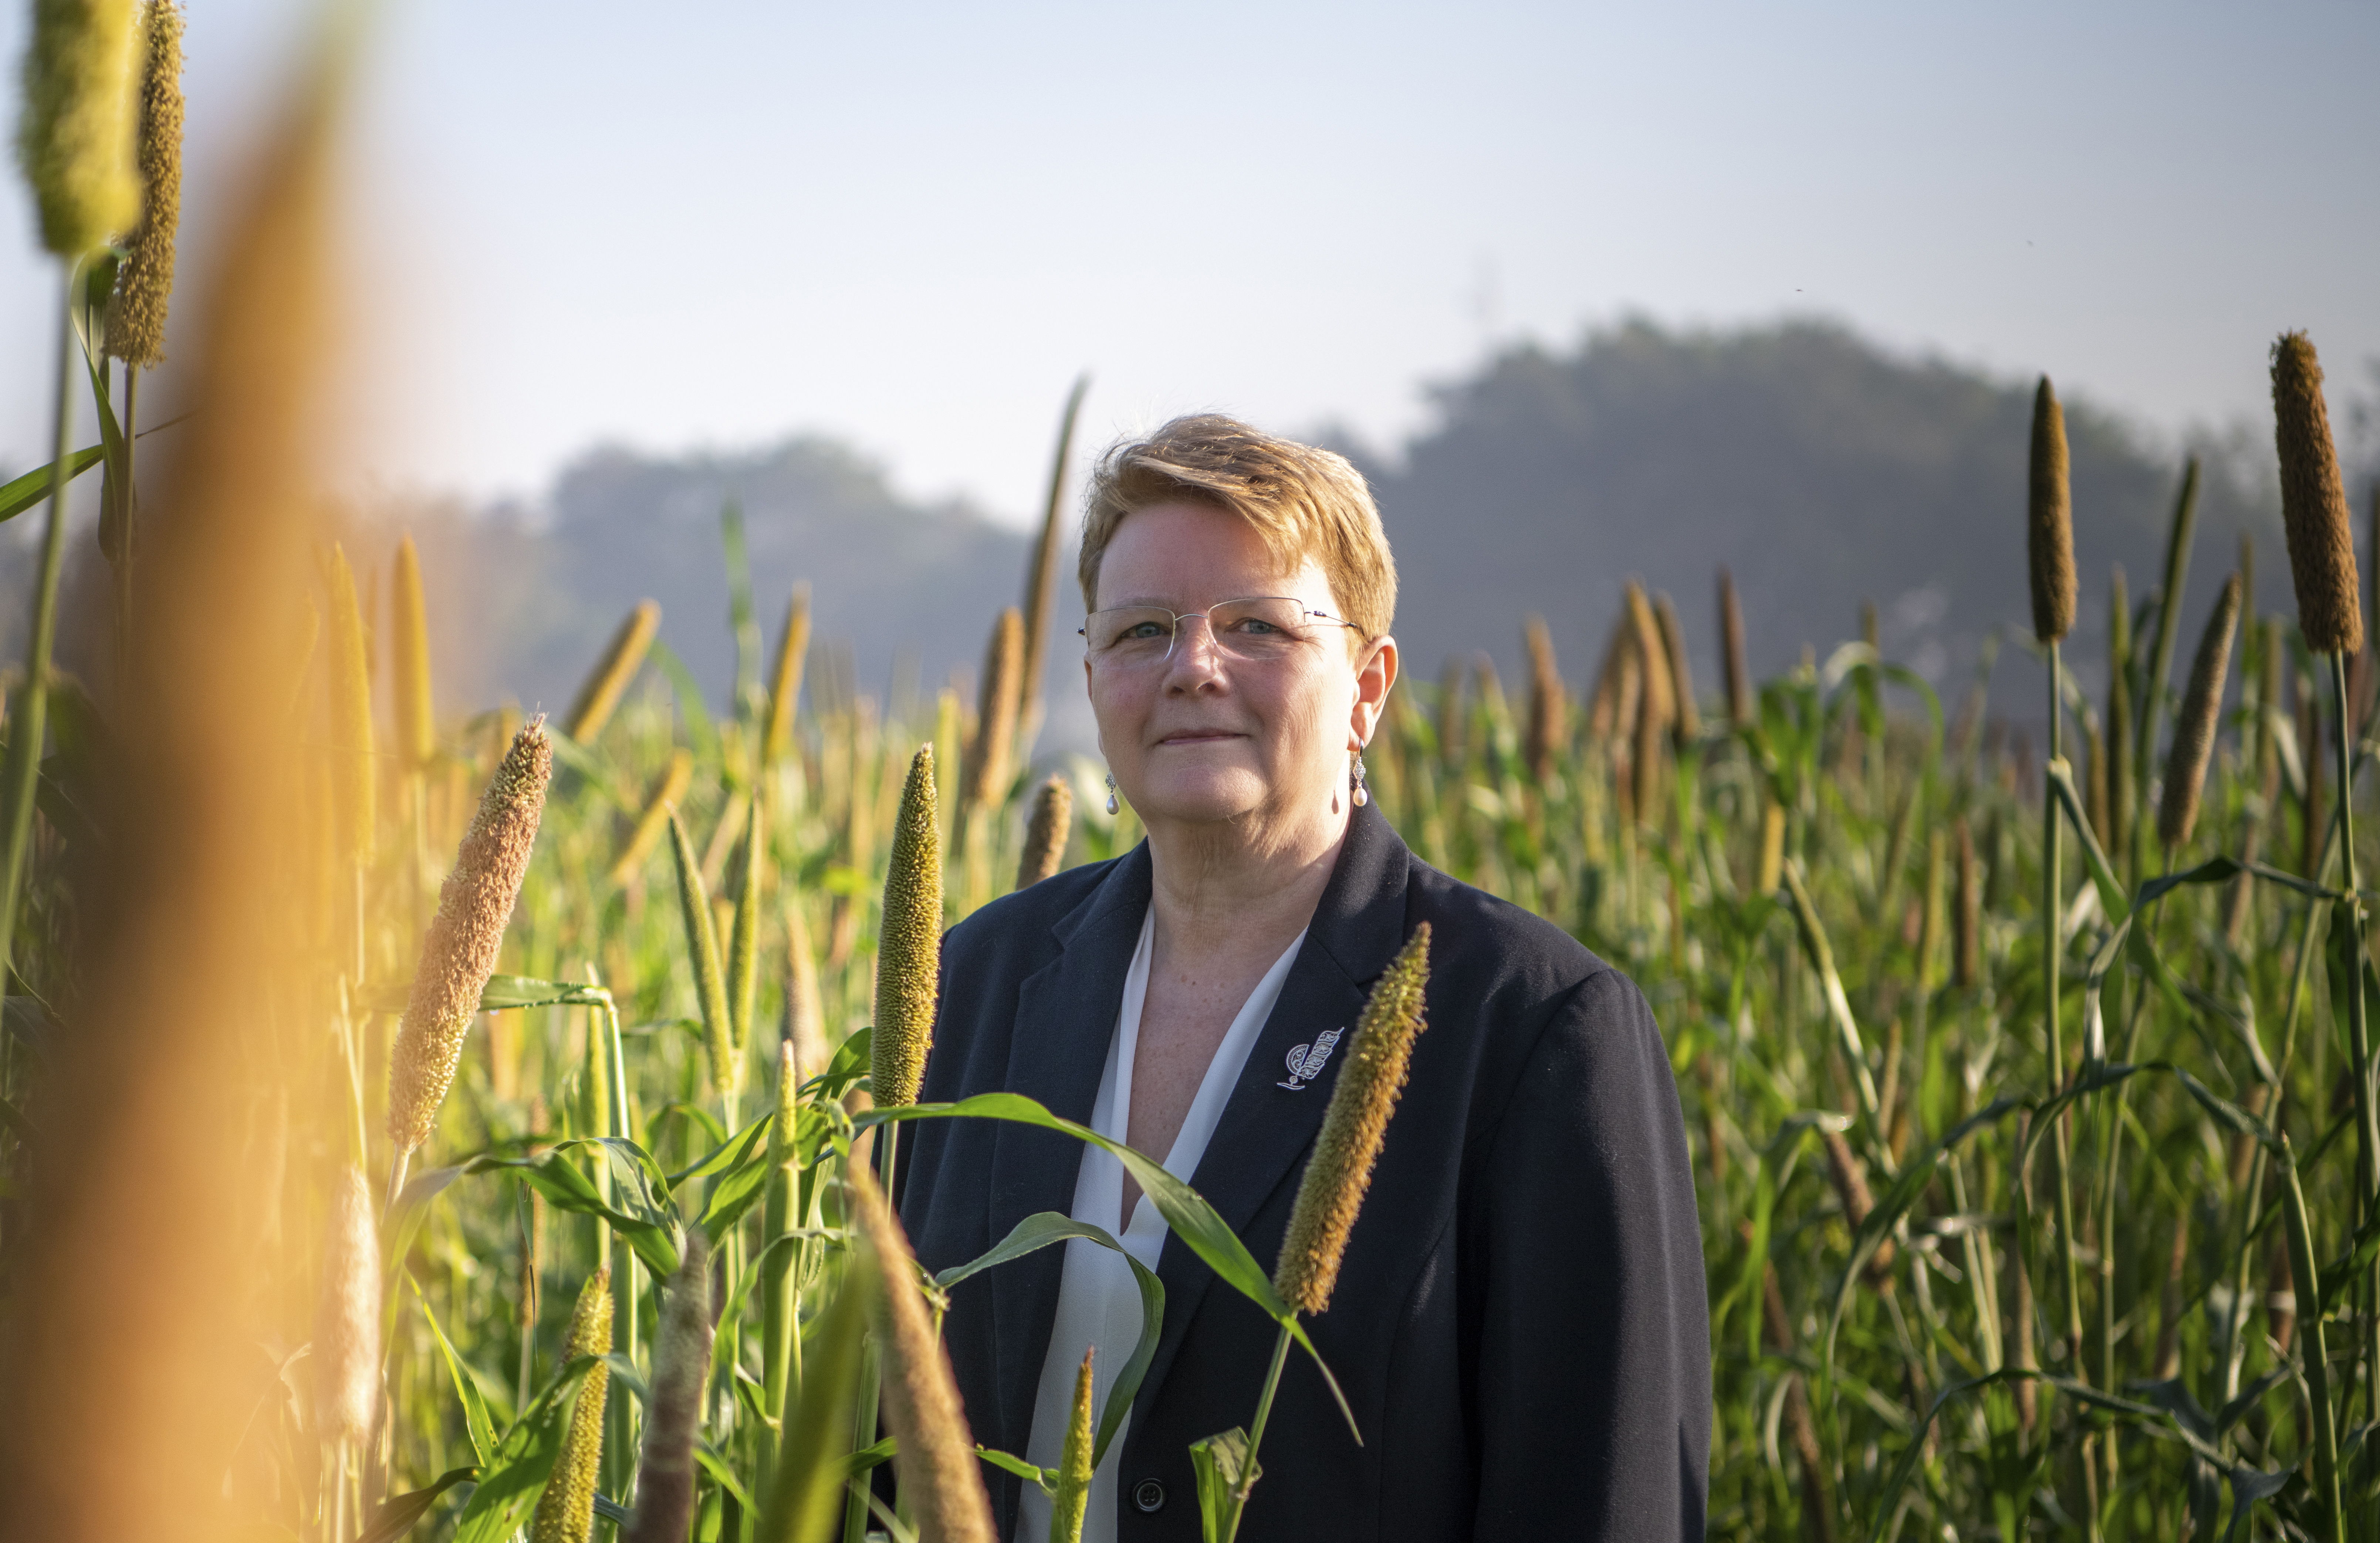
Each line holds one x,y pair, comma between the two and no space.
2325,1435
2367,1138
2052,935
1255,1436
29,721
126,504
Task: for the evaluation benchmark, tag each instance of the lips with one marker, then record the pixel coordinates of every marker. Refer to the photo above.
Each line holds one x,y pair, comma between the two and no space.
1200,737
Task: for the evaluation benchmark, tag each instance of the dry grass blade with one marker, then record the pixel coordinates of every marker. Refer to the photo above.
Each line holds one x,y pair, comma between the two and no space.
785,678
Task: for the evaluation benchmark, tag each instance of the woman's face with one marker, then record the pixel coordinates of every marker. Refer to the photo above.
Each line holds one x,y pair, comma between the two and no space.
1202,737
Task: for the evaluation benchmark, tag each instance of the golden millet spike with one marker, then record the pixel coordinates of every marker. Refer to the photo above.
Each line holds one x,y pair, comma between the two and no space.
1371,1074
1731,660
2049,520
744,936
908,949
136,318
1549,729
358,777
1046,832
983,772
599,693
939,1475
566,1510
674,780
1073,1500
2314,503
417,727
786,680
346,1332
2202,711
1688,725
74,125
458,951
703,943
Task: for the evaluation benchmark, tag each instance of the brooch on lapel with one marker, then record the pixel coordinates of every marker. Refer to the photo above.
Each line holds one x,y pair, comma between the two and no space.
1306,1062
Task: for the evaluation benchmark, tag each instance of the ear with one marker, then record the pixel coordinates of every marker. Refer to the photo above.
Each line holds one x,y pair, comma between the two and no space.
1374,678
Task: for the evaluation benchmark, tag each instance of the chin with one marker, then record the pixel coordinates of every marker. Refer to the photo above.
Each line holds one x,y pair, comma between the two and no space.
1203,799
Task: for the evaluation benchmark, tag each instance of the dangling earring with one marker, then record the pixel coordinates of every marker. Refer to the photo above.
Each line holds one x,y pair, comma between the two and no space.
1355,781
1112,796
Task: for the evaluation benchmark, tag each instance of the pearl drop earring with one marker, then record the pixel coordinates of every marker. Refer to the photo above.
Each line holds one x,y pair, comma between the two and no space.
1355,781
1112,792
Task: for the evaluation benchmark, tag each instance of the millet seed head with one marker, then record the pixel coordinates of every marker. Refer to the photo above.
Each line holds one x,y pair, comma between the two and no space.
2049,520
2314,503
74,126
346,1332
2202,711
940,1474
1046,832
1372,1069
566,1510
458,951
908,949
136,318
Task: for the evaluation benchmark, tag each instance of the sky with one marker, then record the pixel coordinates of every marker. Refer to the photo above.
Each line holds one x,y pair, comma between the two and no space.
913,225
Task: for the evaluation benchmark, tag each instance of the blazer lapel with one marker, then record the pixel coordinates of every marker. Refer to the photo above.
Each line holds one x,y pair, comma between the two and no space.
1267,1128
1065,1017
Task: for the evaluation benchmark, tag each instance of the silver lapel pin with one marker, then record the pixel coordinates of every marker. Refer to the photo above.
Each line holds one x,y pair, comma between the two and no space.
1305,1061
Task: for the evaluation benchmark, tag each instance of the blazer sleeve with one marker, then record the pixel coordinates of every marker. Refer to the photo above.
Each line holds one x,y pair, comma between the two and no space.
1593,1374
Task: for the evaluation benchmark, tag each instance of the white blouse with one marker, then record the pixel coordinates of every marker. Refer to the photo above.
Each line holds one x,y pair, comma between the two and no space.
1099,1303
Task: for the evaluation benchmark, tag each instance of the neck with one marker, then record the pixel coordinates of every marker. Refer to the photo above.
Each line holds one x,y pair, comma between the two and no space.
1218,882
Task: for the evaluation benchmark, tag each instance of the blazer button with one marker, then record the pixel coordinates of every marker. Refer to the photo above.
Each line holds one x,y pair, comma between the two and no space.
1148,1495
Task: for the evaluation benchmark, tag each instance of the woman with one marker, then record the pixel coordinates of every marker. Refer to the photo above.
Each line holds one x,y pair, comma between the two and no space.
1520,1323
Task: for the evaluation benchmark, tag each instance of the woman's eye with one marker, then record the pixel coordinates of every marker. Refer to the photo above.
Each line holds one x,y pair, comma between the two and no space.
1255,626
1141,632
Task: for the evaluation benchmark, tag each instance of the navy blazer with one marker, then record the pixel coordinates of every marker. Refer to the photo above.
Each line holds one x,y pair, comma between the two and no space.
1519,1324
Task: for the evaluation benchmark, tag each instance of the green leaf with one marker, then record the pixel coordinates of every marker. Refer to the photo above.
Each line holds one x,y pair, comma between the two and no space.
475,1408
1184,1210
647,1227
1040,1230
20,493
522,1462
869,1457
1046,1478
1223,1466
395,1516
813,1460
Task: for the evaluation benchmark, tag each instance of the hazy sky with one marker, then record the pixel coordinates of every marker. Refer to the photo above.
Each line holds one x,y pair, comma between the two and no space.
912,225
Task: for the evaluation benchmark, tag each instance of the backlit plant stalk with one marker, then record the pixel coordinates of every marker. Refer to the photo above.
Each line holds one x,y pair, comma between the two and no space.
144,286
74,141
710,979
2049,548
2330,616
600,692
664,1510
1330,1194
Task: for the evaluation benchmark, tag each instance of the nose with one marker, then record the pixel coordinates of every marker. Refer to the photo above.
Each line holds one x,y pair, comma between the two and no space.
1194,659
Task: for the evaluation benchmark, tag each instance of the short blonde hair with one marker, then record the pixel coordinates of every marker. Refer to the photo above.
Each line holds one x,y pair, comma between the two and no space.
1299,499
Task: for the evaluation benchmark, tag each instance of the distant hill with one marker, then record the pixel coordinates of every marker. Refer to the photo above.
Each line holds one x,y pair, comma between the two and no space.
1823,470
896,588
